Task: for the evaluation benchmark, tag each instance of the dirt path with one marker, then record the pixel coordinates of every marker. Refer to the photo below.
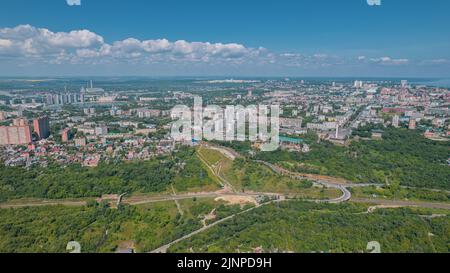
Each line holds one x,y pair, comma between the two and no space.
43,204
394,203
180,211
164,248
216,171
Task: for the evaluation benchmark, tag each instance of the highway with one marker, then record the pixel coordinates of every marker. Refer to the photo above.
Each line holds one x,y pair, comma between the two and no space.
346,195
227,190
337,183
141,200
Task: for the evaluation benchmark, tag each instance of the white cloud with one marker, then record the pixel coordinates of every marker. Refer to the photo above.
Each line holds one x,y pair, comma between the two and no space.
29,44
84,46
28,41
320,55
5,43
73,2
387,61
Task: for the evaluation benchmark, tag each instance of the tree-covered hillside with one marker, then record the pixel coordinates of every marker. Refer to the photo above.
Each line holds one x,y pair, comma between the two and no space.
402,156
308,227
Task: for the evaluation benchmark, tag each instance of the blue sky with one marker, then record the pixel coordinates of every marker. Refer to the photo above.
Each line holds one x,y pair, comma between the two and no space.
248,38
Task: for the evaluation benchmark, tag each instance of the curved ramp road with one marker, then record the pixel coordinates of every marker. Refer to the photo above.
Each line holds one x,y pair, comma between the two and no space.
345,197
346,194
330,182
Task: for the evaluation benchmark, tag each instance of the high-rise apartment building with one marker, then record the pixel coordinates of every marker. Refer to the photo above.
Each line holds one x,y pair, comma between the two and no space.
17,134
42,127
358,84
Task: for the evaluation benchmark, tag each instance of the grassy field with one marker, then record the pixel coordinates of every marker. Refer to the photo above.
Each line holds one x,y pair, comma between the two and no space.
251,176
246,175
212,157
195,176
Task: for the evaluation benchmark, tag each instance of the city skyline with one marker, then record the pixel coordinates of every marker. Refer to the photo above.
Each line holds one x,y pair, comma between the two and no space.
288,38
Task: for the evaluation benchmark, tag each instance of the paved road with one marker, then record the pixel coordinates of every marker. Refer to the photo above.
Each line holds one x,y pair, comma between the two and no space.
346,194
137,200
141,200
328,182
164,248
345,197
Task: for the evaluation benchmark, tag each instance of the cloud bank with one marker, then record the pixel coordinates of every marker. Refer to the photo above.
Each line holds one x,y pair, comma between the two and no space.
84,46
26,44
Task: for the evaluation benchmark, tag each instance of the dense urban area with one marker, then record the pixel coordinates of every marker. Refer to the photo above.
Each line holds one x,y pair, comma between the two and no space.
94,161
